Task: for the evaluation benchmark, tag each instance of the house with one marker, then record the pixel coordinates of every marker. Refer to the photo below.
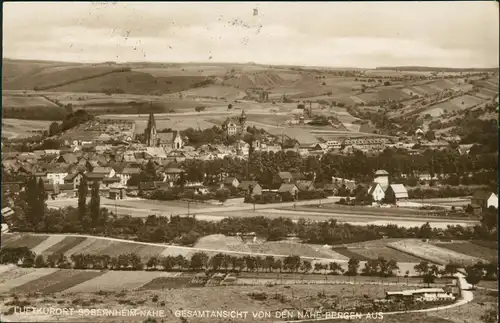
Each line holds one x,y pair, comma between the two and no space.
283,177
289,188
305,186
235,125
117,193
56,175
290,145
485,199
330,189
382,178
334,144
127,173
231,182
395,193
91,164
172,175
252,188
376,192
107,181
94,177
74,179
67,159
106,171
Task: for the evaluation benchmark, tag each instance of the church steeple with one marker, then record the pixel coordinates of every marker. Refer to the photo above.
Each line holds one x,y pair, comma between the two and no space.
151,131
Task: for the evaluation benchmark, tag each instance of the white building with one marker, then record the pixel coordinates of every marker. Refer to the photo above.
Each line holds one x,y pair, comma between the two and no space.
382,178
376,192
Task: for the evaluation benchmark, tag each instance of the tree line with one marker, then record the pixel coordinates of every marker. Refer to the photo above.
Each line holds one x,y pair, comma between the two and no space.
263,166
200,261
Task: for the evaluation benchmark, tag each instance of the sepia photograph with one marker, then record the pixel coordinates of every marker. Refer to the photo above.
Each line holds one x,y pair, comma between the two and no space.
175,162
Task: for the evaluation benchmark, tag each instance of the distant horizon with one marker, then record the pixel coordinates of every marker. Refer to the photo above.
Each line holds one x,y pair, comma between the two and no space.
252,63
364,35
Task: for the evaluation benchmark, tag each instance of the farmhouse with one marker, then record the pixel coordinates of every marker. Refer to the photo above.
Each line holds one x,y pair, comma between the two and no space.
395,193
485,199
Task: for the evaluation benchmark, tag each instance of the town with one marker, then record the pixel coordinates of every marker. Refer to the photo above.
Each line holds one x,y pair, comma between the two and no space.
212,163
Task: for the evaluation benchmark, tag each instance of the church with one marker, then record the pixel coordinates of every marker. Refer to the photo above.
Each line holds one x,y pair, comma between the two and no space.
235,125
166,140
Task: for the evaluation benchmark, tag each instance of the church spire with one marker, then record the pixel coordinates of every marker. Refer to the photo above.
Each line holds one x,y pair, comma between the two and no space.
151,131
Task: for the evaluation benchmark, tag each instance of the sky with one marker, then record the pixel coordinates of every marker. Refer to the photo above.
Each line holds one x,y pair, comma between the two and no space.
333,34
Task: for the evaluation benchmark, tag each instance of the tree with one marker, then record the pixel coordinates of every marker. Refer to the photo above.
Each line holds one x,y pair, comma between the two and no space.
335,268
306,266
199,260
422,268
53,129
95,203
222,195
430,135
40,262
152,262
372,267
451,269
428,278
216,261
229,106
352,267
269,260
474,275
41,198
489,218
82,197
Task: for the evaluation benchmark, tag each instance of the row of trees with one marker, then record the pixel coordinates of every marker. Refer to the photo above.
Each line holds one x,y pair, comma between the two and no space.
473,274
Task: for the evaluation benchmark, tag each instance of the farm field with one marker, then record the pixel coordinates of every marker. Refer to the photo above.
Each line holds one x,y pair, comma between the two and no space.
26,102
295,249
471,249
487,244
452,105
433,253
18,128
386,253
117,281
21,276
26,240
64,245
